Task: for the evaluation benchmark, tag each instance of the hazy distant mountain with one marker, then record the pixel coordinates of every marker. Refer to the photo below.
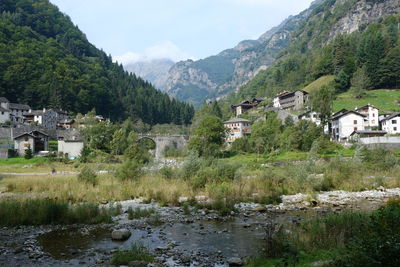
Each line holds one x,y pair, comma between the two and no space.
154,71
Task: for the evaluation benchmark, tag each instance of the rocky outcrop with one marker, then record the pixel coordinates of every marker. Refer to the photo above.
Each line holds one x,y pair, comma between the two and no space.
155,71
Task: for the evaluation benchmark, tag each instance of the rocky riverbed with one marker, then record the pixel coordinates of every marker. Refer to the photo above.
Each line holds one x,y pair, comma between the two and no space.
201,238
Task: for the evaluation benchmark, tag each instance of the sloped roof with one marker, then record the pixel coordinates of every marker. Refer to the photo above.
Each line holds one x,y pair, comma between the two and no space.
338,116
19,106
366,106
394,115
236,120
4,100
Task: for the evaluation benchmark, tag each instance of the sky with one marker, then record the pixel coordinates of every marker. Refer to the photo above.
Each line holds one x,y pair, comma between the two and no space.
140,30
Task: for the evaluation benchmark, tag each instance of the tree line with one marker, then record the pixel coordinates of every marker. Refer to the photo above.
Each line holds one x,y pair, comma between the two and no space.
46,61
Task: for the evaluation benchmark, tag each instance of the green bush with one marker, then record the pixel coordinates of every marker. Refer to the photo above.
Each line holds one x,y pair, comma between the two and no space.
28,153
167,172
135,253
130,170
138,213
378,244
379,159
88,176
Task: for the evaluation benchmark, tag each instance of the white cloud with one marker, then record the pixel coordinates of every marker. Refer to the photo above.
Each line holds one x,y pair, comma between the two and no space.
164,50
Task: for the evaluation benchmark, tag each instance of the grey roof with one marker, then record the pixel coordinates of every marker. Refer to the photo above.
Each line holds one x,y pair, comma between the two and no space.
4,100
236,120
366,106
396,114
34,113
69,135
19,106
344,113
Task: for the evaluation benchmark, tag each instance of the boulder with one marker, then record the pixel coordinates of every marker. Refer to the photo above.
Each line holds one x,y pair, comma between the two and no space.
121,234
260,209
235,261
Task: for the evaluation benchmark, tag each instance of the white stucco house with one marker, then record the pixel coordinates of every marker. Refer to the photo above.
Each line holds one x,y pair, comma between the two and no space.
372,115
237,128
70,143
391,124
345,122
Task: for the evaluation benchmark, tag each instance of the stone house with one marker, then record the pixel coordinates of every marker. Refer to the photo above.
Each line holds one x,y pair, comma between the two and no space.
291,100
46,118
35,140
239,109
12,111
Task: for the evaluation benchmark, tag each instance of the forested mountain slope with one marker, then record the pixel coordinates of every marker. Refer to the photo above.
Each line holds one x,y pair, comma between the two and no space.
346,38
46,61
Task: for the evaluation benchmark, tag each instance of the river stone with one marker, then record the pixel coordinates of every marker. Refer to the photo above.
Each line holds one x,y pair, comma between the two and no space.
121,234
235,261
260,209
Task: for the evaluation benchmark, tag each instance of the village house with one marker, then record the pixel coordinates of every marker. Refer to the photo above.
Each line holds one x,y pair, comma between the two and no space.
35,140
311,116
70,143
46,118
391,124
291,100
372,116
239,109
344,123
237,128
66,124
12,112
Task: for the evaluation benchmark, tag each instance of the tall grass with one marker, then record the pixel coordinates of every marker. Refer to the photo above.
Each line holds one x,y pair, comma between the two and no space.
135,253
44,211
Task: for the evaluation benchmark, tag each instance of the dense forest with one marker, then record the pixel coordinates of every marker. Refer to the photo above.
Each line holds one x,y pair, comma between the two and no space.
46,61
370,55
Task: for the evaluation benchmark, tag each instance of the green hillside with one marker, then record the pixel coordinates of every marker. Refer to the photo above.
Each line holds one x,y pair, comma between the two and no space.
386,100
46,61
317,84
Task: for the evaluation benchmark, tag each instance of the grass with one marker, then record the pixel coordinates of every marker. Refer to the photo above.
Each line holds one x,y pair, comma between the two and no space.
317,84
385,100
138,213
21,161
135,253
45,211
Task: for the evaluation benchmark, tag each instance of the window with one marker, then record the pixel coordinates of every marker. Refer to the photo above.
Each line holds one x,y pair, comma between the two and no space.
394,128
373,115
355,121
355,128
394,121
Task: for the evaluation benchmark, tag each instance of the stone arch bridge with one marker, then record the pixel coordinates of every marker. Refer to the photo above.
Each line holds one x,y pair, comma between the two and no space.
164,141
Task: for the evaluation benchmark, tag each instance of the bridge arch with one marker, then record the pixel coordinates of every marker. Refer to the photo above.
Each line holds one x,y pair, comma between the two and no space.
164,141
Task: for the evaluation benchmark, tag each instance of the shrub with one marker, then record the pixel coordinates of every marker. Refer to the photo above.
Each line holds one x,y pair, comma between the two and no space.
130,170
88,176
380,159
135,253
138,213
378,244
167,172
28,153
